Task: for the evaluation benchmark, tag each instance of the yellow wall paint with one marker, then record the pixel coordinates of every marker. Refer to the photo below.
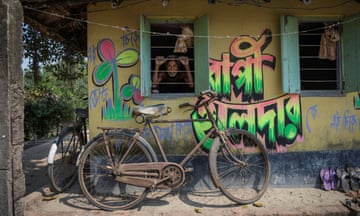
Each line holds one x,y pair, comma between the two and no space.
227,22
323,133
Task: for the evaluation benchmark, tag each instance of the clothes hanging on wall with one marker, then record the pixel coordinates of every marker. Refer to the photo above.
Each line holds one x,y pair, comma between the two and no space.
328,43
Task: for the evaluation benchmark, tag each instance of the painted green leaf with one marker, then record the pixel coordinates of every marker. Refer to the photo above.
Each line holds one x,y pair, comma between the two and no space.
127,92
127,58
102,73
135,81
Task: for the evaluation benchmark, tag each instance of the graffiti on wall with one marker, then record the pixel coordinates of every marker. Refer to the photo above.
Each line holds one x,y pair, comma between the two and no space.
116,103
91,54
276,121
239,73
98,96
238,77
339,120
130,38
311,114
346,121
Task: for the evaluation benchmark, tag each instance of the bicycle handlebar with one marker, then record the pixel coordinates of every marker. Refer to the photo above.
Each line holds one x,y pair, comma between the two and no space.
211,95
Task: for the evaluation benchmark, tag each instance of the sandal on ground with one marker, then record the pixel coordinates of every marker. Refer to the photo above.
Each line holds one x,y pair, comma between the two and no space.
344,179
325,178
354,174
333,179
351,194
351,204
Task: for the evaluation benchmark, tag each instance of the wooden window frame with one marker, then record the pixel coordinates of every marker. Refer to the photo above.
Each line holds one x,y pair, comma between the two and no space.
201,53
349,77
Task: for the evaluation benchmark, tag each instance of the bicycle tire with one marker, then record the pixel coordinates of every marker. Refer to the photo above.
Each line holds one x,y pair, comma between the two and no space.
97,180
62,158
240,168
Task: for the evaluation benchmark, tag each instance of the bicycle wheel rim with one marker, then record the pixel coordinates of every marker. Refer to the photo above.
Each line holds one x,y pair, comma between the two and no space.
96,177
62,172
240,168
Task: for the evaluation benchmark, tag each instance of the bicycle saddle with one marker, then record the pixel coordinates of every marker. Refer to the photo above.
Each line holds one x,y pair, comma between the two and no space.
154,110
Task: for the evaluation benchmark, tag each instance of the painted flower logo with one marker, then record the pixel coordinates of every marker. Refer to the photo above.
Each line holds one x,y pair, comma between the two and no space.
116,107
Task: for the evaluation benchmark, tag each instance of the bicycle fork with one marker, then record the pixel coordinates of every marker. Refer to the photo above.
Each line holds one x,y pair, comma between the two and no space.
228,154
52,152
79,155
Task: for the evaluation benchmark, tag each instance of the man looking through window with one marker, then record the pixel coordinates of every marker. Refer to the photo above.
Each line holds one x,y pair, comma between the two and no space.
173,80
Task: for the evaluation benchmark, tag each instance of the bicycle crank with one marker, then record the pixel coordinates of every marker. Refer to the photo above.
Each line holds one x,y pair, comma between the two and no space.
161,175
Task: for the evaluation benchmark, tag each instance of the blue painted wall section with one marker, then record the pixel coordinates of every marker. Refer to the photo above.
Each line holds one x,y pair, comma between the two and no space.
289,169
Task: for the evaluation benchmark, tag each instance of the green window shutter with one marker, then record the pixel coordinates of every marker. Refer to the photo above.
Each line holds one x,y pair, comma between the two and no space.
350,39
290,54
201,44
145,56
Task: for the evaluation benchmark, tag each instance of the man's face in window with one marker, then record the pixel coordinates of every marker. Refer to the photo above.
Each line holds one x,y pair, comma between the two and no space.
172,68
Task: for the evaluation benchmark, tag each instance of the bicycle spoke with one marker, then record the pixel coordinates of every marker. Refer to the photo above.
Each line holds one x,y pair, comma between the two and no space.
96,176
240,167
62,172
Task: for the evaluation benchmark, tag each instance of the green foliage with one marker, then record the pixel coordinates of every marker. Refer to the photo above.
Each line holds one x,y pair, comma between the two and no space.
43,114
55,83
51,102
41,50
40,47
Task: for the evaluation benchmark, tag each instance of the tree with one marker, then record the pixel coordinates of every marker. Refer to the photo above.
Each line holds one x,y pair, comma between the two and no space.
42,50
52,101
54,83
39,50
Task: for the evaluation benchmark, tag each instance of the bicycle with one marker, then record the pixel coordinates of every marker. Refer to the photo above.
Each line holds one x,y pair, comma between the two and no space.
64,152
119,167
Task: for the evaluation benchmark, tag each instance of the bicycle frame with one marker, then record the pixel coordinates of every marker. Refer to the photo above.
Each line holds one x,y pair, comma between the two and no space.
197,146
149,174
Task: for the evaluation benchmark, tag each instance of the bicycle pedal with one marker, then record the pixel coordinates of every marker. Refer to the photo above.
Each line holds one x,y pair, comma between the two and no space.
189,169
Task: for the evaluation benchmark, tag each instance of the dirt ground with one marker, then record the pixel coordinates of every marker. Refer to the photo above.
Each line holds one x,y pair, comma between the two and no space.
276,201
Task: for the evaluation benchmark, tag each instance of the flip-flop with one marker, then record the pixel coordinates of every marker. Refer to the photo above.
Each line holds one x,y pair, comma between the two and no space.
333,179
355,206
354,174
344,178
325,178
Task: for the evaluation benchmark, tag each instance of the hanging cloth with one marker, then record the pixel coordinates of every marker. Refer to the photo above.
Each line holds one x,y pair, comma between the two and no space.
328,42
184,41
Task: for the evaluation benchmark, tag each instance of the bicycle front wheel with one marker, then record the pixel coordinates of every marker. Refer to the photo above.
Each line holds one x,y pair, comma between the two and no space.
62,159
240,167
96,176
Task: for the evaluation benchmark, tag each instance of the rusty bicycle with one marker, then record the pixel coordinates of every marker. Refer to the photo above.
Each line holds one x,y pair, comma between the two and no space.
64,152
119,166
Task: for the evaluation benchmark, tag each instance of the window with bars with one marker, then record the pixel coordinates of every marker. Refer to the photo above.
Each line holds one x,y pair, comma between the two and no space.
311,70
159,40
319,56
172,58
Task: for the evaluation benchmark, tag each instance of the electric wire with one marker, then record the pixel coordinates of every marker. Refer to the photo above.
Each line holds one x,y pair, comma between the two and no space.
127,29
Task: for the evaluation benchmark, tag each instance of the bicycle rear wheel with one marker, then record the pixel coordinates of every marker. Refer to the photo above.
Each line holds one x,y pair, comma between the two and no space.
62,159
240,168
96,176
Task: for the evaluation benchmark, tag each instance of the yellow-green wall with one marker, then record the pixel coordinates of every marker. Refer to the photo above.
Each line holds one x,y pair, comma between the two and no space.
225,23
